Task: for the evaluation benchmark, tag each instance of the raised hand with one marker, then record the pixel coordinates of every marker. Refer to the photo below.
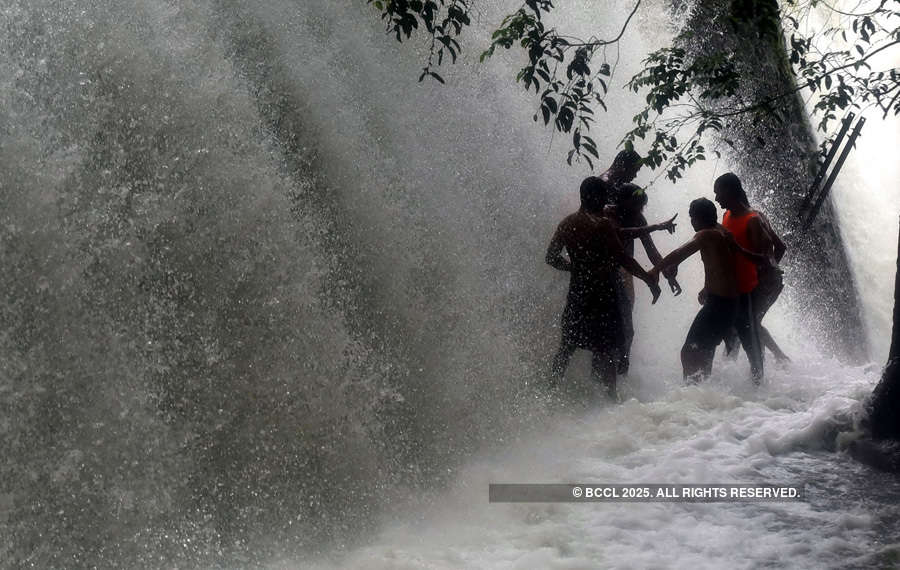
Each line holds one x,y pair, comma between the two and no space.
669,225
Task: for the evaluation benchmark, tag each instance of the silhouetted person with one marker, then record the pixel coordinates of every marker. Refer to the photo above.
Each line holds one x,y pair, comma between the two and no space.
628,201
716,318
591,319
750,233
771,284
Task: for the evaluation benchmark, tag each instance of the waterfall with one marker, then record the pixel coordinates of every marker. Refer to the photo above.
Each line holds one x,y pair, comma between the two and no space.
262,287
866,195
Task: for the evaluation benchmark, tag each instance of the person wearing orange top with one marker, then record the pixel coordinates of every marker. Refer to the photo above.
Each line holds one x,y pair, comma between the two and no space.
750,233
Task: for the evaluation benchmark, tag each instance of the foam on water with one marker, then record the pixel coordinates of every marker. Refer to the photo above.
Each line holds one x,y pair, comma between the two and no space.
723,431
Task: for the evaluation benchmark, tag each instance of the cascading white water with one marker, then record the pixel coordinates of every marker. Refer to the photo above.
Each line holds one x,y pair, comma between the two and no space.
867,191
264,288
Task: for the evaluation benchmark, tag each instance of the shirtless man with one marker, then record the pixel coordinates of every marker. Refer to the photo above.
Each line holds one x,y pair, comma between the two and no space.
591,319
715,319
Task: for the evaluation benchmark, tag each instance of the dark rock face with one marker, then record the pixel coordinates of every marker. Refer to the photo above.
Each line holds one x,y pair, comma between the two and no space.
778,162
882,455
884,421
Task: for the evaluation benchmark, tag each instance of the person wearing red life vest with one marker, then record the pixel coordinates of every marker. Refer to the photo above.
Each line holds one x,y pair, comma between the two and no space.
749,231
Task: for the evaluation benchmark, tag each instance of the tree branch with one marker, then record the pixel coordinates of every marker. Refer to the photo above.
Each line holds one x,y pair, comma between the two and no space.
599,43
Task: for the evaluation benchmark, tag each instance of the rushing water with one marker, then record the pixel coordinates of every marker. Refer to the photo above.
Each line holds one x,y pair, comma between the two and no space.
867,193
270,301
719,432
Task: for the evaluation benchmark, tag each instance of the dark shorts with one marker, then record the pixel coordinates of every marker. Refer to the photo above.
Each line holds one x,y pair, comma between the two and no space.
712,323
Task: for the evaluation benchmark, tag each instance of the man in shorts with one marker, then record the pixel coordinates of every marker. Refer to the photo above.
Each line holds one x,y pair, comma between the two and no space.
715,319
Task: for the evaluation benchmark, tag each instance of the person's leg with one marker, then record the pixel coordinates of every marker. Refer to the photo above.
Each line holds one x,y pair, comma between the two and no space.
628,337
708,355
705,333
625,298
763,297
603,370
696,363
732,343
561,361
768,342
748,332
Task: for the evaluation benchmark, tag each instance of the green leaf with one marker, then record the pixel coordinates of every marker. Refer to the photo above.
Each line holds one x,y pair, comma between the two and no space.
551,104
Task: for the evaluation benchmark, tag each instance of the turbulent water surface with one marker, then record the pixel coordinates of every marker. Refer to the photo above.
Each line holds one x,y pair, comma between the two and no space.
268,301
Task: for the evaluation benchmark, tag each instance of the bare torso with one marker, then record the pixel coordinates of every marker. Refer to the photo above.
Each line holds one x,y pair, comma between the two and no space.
585,240
718,256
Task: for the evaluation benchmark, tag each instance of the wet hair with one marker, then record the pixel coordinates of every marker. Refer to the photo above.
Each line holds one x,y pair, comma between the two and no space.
628,158
627,193
704,211
730,183
594,193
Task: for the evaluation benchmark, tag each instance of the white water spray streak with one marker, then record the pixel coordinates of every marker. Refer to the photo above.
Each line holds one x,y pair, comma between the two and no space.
866,194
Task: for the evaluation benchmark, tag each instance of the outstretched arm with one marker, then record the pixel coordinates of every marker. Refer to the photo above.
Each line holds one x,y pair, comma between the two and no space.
756,258
675,258
641,231
654,256
554,257
650,247
628,262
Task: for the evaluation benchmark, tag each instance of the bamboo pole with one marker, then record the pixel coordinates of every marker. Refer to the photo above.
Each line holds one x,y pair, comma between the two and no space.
834,173
810,194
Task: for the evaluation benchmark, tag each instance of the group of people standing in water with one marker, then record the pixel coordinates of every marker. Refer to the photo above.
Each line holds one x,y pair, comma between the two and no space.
740,258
